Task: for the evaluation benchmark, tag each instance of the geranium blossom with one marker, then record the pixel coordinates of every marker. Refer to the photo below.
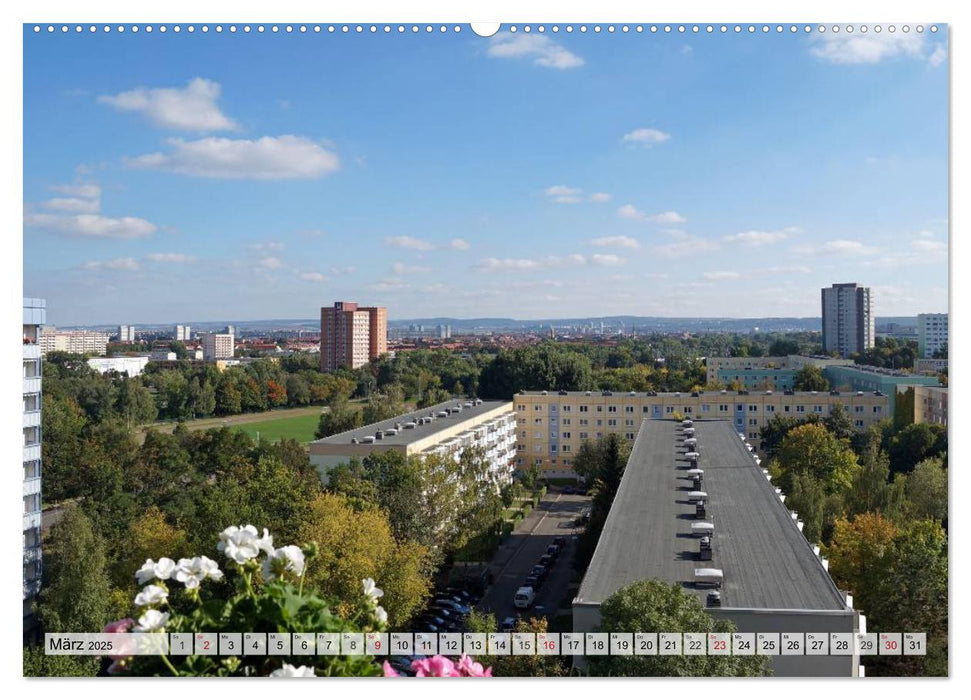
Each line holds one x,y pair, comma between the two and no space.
151,595
435,666
285,559
469,667
119,626
194,571
161,569
288,671
381,615
371,590
151,620
243,543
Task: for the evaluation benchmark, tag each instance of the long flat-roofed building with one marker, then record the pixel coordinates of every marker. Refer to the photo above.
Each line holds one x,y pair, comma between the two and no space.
445,428
772,578
552,425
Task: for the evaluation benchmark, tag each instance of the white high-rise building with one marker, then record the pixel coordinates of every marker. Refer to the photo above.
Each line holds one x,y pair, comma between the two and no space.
126,334
183,332
847,319
74,342
35,315
931,333
218,346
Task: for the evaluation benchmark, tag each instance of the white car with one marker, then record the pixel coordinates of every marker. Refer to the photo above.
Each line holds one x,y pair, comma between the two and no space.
524,597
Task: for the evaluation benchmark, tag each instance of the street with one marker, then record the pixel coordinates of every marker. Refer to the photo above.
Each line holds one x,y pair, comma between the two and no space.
555,516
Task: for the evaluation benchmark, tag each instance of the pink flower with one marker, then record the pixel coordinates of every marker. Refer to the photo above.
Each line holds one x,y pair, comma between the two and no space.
119,626
435,666
388,671
469,667
118,666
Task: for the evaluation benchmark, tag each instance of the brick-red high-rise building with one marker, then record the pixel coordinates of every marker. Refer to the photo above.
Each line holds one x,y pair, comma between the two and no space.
351,335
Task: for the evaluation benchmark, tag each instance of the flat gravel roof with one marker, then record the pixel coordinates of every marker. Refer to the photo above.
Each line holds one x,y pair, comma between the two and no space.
766,561
419,432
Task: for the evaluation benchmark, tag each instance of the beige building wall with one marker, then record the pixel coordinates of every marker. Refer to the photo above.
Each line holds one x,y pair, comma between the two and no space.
578,417
930,405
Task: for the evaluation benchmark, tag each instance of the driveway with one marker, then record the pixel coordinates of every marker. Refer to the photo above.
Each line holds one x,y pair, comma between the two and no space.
555,516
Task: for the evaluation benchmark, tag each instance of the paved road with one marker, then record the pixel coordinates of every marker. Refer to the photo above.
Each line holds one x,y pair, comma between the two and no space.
555,516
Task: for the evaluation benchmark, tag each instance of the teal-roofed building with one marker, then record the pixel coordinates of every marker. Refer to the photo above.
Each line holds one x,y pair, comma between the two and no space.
866,378
759,378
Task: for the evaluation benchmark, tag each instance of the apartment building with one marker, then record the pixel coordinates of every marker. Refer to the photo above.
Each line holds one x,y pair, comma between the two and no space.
74,342
551,425
182,333
35,315
774,373
930,405
931,333
126,334
133,366
758,569
351,335
447,428
930,365
848,322
218,346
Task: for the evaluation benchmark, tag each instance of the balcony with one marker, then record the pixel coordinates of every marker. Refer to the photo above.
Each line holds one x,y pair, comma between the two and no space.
31,452
31,351
32,521
31,486
31,555
31,419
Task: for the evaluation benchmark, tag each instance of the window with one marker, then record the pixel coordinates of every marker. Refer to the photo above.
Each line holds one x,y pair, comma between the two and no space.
553,408
521,407
600,409
566,436
566,448
32,469
786,409
723,407
552,448
740,407
817,409
858,409
537,435
552,436
753,407
537,421
31,403
584,409
858,423
521,421
537,407
31,436
669,409
600,421
611,409
770,409
629,421
522,433
584,421
599,435
705,408
583,436
628,409
800,409
629,436
644,409
32,503
753,421
566,421
537,448
567,408
876,409
612,422
520,448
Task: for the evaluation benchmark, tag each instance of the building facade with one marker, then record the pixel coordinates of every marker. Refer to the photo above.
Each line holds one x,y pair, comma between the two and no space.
552,425
848,326
931,334
182,332
760,372
126,334
930,405
930,365
218,346
133,366
35,315
351,335
74,342
447,428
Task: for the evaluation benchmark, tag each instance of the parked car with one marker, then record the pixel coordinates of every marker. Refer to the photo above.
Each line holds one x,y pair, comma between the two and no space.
546,560
559,542
450,604
532,582
539,571
467,597
524,597
554,551
508,624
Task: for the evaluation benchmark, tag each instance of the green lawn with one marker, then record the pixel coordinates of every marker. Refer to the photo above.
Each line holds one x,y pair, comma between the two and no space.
299,428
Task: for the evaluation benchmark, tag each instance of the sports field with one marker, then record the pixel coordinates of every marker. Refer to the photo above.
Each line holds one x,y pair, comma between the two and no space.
300,428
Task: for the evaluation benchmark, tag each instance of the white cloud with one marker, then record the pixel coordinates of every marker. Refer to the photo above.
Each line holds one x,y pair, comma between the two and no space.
403,269
178,258
508,264
561,194
609,260
388,285
459,244
408,242
684,244
615,242
543,50
721,275
128,264
92,225
192,108
646,137
73,205
83,190
265,246
837,247
869,48
268,158
271,263
346,270
668,218
313,277
924,245
600,197
629,211
938,55
760,238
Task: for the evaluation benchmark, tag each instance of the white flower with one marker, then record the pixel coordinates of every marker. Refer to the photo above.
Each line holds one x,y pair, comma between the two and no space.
161,569
151,595
242,543
284,559
194,571
370,590
381,615
265,542
289,671
151,620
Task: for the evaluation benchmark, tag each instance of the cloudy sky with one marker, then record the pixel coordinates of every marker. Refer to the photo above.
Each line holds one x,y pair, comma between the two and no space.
193,177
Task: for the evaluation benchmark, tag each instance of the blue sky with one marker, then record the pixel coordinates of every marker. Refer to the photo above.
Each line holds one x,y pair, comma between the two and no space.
197,177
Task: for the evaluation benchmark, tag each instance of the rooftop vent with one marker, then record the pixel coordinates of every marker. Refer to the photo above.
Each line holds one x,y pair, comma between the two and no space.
562,392
544,393
713,600
697,496
709,578
391,431
379,435
354,441
588,393
701,529
367,439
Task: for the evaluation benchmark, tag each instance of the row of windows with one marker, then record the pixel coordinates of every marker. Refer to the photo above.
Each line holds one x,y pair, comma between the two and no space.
704,408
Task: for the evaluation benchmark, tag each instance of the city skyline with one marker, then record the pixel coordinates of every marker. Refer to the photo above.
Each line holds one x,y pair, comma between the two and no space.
733,178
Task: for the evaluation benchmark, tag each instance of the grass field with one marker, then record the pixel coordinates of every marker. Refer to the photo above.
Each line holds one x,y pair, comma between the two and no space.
299,428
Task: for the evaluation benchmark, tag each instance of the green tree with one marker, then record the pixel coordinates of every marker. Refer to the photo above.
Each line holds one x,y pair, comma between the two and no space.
915,443
654,606
810,378
783,347
229,399
839,423
926,491
812,449
39,664
339,417
74,594
772,433
298,390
